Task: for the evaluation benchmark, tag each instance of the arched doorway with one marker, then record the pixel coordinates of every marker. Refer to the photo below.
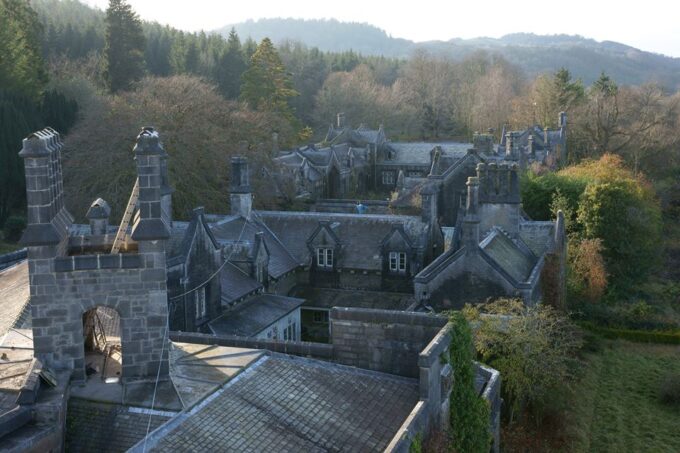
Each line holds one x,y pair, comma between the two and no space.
103,350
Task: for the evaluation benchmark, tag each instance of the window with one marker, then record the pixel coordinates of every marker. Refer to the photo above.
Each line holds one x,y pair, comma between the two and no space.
397,262
289,332
413,174
388,177
324,257
320,317
199,303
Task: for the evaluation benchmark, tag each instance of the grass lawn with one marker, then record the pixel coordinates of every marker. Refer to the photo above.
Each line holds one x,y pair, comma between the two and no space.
615,406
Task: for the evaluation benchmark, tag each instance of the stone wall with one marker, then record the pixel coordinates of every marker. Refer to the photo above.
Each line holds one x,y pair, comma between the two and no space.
382,340
64,287
60,298
301,348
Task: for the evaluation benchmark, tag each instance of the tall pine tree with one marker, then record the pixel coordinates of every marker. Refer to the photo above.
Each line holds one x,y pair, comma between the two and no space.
266,84
22,68
124,51
231,67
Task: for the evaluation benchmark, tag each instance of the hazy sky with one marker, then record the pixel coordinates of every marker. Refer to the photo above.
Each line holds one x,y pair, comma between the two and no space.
652,25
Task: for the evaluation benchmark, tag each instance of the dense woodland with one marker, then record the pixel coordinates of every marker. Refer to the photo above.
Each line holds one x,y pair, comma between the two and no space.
98,77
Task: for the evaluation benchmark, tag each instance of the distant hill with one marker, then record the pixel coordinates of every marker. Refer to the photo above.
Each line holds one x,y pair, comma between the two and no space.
536,54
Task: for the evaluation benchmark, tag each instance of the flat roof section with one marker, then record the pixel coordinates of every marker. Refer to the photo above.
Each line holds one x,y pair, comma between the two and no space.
255,314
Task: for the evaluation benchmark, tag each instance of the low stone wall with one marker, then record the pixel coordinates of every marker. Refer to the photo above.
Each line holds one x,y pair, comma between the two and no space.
382,340
416,424
492,394
301,348
9,259
101,261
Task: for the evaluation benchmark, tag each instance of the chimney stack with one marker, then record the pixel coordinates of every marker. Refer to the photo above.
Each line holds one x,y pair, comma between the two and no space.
275,143
470,233
510,146
240,191
149,155
48,219
341,120
562,120
428,205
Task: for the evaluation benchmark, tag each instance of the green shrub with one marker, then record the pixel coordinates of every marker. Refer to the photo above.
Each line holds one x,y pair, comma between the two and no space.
669,392
469,412
534,348
14,227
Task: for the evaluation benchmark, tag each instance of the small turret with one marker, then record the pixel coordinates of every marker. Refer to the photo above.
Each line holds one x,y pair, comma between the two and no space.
98,215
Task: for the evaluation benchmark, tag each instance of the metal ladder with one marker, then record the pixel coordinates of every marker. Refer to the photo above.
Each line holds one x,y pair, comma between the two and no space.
125,221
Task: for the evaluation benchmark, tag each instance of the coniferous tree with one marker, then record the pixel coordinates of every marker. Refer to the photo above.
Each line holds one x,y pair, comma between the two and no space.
231,67
191,58
22,68
125,42
266,84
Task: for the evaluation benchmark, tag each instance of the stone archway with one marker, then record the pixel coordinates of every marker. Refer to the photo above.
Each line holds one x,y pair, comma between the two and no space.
103,353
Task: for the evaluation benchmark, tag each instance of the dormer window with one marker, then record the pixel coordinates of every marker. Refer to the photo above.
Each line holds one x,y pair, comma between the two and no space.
324,257
398,262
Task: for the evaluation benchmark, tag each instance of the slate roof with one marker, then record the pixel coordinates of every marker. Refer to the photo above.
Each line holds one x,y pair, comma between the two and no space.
361,235
538,236
182,236
418,153
328,298
236,284
294,404
228,229
252,316
14,296
509,255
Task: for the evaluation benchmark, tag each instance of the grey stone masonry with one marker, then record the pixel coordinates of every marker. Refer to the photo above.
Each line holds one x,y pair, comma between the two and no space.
48,219
382,340
149,154
63,287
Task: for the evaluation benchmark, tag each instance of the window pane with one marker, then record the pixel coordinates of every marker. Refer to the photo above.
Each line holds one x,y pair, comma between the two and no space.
329,257
319,257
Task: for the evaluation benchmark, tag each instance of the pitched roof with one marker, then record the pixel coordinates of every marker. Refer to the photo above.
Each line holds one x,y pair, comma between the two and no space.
507,254
236,284
228,229
182,237
418,153
538,236
360,235
286,403
329,298
255,314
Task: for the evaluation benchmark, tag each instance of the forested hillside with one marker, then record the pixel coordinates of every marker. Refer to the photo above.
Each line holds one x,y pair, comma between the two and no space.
585,58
